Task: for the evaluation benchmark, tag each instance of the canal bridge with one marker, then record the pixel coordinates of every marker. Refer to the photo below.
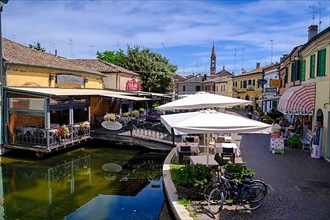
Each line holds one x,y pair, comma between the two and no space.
152,135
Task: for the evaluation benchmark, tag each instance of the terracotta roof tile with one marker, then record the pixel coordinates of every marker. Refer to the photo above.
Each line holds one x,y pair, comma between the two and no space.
16,53
102,66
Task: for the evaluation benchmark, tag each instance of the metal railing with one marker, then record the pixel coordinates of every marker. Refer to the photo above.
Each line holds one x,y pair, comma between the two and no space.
49,138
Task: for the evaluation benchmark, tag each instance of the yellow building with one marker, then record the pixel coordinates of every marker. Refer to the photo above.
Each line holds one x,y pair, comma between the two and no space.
315,70
246,86
116,77
49,102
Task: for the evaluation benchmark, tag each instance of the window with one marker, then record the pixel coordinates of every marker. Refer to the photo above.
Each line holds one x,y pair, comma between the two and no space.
198,88
183,88
302,70
312,67
295,71
321,62
244,83
241,84
286,75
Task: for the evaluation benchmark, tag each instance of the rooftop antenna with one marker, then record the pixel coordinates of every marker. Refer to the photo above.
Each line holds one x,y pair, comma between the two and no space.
271,52
71,47
92,51
50,46
235,60
313,12
243,58
320,17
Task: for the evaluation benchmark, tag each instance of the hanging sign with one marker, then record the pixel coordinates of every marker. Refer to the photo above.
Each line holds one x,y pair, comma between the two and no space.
71,79
133,85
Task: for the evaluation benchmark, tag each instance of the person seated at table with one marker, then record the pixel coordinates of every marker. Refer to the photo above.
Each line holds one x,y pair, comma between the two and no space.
291,131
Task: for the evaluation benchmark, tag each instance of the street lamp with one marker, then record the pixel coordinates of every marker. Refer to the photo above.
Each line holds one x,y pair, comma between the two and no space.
2,81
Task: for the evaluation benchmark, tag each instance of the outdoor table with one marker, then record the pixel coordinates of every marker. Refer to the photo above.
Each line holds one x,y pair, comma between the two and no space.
203,160
227,139
220,146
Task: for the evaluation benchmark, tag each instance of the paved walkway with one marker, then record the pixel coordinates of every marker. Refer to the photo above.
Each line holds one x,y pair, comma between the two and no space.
299,184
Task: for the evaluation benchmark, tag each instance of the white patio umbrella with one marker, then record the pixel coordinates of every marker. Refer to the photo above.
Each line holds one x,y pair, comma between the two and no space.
202,100
210,121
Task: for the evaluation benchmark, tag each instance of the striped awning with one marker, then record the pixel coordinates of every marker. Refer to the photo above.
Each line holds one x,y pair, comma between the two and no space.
298,100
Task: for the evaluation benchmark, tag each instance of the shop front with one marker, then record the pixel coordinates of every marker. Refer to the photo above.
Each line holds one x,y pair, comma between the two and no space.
298,105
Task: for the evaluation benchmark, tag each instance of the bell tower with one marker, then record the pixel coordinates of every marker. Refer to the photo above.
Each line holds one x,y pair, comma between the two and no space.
213,66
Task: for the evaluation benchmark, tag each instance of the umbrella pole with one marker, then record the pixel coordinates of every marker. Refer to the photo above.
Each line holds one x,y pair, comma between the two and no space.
204,144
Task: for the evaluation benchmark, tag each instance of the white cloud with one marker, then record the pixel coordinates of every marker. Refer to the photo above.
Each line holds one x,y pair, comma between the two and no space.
187,28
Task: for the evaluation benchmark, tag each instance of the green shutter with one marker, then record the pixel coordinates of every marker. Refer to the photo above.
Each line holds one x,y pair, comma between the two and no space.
293,67
321,62
286,75
302,70
312,67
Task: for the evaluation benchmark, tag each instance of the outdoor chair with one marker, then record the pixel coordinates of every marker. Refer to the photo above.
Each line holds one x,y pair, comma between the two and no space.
294,141
185,152
228,152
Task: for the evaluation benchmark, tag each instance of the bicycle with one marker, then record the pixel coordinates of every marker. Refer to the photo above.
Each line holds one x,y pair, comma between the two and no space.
244,193
218,172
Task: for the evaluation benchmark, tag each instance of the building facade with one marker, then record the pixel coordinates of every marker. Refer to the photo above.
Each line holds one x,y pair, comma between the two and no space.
246,86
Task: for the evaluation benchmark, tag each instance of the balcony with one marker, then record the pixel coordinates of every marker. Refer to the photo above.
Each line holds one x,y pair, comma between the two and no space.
46,140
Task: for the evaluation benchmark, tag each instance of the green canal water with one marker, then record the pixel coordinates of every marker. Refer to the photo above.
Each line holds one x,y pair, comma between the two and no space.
94,182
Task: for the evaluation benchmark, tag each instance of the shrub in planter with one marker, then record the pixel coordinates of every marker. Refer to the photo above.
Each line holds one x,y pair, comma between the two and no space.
196,176
190,180
237,171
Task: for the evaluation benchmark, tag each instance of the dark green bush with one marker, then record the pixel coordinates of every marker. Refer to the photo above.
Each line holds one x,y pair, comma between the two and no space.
192,175
237,170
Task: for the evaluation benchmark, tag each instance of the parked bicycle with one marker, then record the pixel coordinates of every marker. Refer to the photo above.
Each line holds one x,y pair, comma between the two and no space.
248,193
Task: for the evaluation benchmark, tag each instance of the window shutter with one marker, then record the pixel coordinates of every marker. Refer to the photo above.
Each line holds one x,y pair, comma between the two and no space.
286,75
321,62
302,70
312,67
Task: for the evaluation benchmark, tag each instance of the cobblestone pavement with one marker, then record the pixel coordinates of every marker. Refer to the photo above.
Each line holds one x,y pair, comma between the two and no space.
299,185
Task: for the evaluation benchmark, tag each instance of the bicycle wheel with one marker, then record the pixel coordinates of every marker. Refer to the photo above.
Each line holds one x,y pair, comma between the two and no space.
261,184
253,197
215,201
207,190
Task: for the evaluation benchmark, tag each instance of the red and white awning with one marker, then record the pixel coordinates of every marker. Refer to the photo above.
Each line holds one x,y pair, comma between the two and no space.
298,100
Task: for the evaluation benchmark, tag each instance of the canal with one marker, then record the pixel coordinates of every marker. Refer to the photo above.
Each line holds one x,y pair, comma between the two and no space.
97,181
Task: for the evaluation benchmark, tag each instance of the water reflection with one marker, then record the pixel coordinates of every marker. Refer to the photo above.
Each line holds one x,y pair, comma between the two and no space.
74,185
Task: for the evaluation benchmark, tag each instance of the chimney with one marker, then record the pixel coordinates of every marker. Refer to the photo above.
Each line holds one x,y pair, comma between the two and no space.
312,31
257,65
55,52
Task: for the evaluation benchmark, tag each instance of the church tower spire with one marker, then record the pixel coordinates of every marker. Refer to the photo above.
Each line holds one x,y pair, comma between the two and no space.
213,65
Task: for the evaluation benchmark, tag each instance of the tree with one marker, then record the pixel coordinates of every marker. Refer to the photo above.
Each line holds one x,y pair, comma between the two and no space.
37,46
114,57
156,72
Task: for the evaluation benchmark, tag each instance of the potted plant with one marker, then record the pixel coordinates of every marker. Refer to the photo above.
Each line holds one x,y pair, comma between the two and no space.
110,117
63,132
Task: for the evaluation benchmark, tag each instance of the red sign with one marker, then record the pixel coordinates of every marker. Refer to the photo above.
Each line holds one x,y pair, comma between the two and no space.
133,85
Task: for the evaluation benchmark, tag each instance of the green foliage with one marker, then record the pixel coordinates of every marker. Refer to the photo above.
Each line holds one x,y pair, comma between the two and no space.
141,110
126,114
192,175
114,57
156,72
266,119
135,113
237,170
184,201
37,46
155,105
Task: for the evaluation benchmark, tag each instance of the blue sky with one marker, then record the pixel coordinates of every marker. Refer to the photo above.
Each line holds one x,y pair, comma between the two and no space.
244,32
